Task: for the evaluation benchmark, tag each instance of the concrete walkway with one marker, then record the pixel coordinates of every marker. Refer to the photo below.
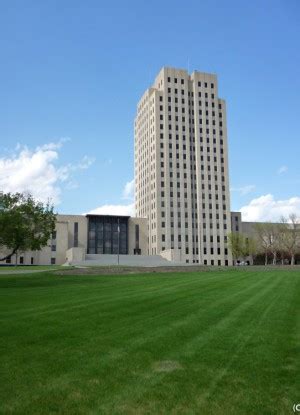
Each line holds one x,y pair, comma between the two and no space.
145,261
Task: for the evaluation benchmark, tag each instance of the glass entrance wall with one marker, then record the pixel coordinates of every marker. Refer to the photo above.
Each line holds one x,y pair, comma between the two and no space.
103,234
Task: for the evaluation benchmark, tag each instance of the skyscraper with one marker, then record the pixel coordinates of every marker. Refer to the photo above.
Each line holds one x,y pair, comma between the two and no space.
181,167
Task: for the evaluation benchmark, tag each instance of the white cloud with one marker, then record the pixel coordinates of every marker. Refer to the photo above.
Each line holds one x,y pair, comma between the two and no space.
36,171
128,192
122,210
282,170
85,163
244,190
266,208
49,146
71,185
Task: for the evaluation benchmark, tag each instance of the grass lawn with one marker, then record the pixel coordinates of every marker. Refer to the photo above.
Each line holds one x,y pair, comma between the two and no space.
217,342
10,268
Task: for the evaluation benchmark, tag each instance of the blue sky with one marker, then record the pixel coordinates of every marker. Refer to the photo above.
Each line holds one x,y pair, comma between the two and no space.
72,72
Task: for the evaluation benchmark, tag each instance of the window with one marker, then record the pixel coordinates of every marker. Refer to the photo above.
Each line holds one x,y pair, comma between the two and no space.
53,261
21,260
75,234
53,247
54,235
137,238
107,235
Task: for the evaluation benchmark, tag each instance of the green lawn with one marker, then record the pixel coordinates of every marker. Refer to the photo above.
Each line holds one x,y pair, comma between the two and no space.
218,342
10,268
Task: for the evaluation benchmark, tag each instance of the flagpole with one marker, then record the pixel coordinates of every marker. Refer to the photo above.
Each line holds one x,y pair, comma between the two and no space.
118,241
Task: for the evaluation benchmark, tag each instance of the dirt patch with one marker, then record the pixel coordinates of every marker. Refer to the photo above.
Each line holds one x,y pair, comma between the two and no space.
121,270
130,270
167,366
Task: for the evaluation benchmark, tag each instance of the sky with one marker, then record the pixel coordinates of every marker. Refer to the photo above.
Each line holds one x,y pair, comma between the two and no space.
72,72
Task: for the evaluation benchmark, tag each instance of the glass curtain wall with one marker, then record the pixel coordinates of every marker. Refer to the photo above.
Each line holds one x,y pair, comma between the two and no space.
103,235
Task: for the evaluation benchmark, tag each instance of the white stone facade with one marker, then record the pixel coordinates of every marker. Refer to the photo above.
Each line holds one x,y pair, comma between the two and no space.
181,167
70,239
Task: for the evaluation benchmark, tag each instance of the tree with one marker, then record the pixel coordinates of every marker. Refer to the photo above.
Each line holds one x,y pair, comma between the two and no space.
236,244
240,245
273,234
291,235
25,224
281,229
266,237
261,230
250,247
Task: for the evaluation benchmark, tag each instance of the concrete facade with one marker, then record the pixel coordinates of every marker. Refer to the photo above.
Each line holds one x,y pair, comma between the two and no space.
69,242
181,167
236,222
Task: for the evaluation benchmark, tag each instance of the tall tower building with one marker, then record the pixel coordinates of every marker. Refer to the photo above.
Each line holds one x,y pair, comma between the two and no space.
181,167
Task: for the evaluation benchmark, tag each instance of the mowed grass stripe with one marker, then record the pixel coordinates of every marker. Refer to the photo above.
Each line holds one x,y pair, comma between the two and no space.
69,291
138,318
239,344
197,339
63,285
124,292
229,336
122,333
